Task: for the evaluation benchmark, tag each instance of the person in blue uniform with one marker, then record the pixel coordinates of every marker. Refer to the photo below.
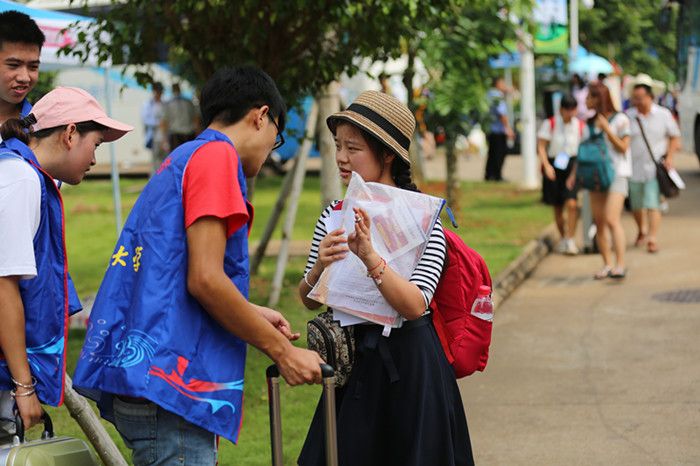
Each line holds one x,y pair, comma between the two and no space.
165,350
56,142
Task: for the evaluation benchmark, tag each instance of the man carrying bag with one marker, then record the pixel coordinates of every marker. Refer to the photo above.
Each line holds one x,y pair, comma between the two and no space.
655,137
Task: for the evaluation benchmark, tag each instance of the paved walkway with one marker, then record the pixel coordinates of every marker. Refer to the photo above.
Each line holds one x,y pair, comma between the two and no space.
588,372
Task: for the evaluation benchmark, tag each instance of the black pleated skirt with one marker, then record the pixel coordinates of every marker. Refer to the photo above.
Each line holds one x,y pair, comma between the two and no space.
401,405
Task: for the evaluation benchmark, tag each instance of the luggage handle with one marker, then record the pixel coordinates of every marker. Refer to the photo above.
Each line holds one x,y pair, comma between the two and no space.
19,426
273,393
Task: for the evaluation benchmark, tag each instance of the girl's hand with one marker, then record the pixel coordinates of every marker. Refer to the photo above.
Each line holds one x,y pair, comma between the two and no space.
549,172
359,241
332,248
29,409
571,182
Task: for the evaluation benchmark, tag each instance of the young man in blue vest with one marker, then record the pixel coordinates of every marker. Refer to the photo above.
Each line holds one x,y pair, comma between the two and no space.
165,351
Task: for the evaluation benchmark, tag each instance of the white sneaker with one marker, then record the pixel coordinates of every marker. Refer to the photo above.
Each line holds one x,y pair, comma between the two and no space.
561,246
571,249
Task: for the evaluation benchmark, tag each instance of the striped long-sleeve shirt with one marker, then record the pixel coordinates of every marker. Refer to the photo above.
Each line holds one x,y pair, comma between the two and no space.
428,270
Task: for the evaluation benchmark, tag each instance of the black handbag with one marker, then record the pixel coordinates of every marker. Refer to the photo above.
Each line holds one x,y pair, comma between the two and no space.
666,185
335,344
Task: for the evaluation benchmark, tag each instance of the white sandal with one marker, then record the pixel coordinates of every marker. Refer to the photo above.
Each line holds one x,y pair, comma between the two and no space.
603,273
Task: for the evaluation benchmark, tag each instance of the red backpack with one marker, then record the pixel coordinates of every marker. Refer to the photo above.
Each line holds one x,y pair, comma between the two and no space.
464,337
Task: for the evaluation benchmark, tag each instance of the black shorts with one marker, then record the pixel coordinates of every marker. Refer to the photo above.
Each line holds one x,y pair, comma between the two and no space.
555,193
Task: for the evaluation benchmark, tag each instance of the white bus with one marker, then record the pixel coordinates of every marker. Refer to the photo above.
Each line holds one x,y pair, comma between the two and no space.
689,74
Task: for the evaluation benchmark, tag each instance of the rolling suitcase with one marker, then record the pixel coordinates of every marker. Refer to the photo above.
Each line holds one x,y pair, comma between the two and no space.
273,392
47,451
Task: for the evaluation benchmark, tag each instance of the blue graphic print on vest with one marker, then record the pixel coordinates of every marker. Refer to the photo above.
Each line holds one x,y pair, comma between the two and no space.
148,337
44,297
73,300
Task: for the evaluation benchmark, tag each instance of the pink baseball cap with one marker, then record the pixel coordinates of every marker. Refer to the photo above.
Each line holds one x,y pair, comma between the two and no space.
65,105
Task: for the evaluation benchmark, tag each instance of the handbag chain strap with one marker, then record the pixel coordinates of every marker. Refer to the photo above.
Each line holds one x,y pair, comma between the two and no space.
646,142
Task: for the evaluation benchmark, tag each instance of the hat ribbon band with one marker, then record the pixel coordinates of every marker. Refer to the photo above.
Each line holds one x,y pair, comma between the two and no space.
382,122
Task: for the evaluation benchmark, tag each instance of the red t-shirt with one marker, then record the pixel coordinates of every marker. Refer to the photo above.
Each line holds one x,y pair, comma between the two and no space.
210,187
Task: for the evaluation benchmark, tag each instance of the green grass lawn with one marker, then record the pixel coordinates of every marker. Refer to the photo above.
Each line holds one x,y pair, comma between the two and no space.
495,219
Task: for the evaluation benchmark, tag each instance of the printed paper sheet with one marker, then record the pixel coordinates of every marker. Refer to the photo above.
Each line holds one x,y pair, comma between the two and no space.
401,222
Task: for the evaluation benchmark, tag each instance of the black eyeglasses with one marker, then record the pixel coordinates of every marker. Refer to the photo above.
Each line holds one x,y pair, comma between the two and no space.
279,141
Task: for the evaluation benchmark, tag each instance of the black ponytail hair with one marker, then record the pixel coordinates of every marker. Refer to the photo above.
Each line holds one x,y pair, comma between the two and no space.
401,174
13,128
19,128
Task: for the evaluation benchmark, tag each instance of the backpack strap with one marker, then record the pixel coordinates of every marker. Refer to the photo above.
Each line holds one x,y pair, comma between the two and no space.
551,123
452,217
581,124
646,141
591,129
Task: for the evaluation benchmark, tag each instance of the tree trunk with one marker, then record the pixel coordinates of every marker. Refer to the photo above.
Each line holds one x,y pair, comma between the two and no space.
250,185
415,154
328,104
297,184
88,421
452,187
408,78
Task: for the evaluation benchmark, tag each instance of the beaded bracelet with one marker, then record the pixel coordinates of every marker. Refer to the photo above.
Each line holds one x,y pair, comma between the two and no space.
21,385
14,393
378,276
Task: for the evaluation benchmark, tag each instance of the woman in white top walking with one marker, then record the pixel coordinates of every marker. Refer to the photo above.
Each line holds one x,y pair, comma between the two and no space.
607,205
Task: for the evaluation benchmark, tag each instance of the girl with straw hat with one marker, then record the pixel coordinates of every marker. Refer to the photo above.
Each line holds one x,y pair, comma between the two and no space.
401,404
56,141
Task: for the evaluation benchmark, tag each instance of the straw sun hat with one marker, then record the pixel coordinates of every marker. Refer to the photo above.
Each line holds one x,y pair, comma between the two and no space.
383,116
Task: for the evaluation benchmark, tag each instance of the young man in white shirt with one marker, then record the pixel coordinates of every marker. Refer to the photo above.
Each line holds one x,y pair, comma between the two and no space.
663,136
557,144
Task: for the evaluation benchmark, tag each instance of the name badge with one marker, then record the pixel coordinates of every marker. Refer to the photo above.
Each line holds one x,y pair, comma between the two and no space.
561,161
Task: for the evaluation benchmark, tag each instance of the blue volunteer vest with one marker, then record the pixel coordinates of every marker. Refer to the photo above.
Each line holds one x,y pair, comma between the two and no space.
148,337
46,297
74,302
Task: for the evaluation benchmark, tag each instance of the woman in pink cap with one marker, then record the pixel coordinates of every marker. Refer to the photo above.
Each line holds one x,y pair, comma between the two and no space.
56,141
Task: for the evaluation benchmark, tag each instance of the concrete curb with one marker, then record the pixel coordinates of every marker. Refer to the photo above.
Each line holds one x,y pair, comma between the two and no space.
517,271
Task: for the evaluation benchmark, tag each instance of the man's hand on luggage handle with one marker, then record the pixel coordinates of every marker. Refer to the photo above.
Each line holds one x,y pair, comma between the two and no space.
299,366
